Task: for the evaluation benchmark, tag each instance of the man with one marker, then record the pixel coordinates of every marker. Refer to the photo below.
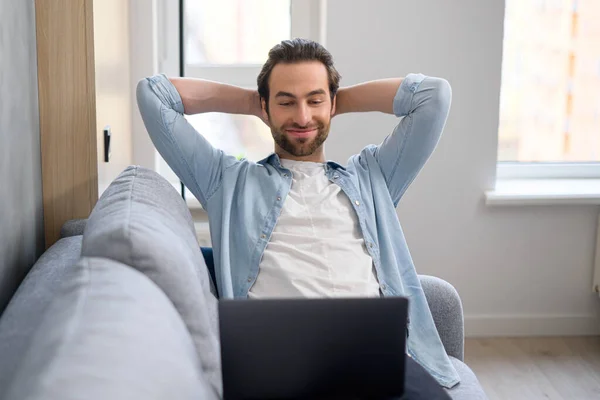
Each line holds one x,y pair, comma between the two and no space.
294,224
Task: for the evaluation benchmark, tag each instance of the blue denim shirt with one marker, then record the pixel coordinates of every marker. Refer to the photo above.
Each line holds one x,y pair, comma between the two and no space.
243,199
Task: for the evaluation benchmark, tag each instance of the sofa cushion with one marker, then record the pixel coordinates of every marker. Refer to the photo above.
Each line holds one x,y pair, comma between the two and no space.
109,333
24,313
73,227
142,221
447,312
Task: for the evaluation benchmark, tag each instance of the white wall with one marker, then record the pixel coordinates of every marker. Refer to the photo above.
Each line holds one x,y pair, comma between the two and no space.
113,86
519,270
154,44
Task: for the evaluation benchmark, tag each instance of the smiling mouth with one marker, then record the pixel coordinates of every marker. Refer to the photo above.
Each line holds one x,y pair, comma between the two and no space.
301,133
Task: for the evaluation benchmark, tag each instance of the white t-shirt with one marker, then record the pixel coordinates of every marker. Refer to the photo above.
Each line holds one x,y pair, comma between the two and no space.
316,248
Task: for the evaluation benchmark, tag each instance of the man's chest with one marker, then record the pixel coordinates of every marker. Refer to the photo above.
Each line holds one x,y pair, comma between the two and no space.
318,208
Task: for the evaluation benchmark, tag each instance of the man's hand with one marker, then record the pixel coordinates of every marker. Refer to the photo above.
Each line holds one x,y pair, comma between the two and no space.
256,108
369,96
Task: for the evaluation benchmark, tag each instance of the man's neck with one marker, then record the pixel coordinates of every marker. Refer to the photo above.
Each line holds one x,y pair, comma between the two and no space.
317,157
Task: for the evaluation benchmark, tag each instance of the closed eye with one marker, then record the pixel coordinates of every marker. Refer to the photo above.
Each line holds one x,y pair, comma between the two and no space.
313,102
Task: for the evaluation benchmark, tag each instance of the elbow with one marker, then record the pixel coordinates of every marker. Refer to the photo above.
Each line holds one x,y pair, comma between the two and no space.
149,107
145,101
156,93
442,92
141,92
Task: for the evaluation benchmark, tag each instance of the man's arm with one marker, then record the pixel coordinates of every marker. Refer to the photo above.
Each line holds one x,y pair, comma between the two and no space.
162,103
369,96
200,96
424,102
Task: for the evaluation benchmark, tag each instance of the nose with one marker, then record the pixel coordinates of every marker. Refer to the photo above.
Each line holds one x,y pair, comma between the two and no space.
303,115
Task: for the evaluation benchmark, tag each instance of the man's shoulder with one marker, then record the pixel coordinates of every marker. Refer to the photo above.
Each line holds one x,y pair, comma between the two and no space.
244,171
364,158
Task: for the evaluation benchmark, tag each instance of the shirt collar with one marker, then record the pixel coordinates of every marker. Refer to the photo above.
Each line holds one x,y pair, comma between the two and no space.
274,160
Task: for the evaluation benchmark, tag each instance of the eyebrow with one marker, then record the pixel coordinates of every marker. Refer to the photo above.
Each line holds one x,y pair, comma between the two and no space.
287,94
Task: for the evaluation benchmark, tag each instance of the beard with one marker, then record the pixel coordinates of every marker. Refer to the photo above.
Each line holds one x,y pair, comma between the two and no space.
300,147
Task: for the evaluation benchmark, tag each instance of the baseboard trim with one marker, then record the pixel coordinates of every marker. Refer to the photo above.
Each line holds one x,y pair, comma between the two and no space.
534,325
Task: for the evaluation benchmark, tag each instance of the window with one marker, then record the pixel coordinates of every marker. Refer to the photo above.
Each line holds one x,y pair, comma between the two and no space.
229,32
228,41
550,93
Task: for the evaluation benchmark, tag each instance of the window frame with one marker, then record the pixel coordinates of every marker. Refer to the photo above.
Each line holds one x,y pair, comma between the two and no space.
547,170
307,21
155,48
511,170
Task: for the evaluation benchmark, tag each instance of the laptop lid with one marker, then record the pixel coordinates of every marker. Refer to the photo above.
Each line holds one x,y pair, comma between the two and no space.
313,348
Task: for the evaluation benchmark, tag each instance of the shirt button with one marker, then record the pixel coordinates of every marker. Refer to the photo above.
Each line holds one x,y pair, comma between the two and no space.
383,286
336,176
285,175
250,279
263,236
278,198
371,245
357,202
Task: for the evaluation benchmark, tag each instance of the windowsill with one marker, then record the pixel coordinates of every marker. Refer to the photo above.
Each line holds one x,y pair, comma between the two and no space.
516,192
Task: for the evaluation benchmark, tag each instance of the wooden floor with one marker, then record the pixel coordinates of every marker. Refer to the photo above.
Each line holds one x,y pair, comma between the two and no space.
537,368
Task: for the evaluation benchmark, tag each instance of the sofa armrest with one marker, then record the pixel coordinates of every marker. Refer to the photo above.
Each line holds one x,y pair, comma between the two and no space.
446,308
73,227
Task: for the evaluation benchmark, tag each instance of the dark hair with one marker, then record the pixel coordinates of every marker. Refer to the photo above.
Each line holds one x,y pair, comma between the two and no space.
292,51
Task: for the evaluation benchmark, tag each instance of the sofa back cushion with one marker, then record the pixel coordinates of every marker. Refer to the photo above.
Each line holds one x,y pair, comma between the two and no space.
24,314
109,333
142,221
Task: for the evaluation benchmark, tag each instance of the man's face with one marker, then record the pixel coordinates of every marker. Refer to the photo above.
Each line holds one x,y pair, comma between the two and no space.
300,109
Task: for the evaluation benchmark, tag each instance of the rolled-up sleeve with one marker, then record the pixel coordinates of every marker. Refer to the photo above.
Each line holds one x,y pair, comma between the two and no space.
424,104
195,161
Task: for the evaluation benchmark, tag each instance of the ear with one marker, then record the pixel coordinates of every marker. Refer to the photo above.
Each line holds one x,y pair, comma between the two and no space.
263,110
333,106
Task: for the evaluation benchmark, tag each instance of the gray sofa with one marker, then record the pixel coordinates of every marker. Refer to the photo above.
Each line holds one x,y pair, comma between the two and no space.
123,307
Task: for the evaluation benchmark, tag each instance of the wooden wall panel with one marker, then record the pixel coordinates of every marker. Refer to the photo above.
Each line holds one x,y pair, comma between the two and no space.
65,50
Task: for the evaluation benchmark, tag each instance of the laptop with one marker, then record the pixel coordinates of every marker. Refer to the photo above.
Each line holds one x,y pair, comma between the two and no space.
313,348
